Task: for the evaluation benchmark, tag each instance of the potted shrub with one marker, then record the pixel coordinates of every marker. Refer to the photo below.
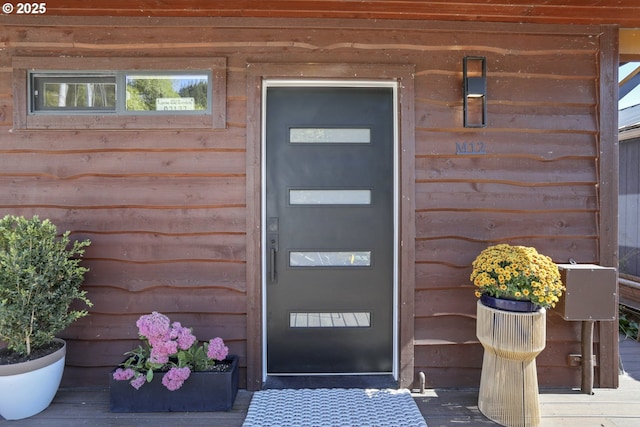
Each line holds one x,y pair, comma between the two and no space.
194,376
40,277
512,274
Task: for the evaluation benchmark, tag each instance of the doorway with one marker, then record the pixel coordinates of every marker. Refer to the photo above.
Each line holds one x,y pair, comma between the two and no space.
330,216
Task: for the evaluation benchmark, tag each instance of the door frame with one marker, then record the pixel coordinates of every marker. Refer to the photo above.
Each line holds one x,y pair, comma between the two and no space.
329,83
401,77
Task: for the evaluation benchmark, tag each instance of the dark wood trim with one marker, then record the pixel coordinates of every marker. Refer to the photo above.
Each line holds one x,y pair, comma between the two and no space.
254,241
20,94
407,229
218,23
23,120
404,74
608,192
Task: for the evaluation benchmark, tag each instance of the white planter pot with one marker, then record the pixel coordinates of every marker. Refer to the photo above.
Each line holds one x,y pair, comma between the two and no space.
28,388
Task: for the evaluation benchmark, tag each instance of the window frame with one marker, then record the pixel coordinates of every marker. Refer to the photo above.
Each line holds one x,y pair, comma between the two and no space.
38,81
25,118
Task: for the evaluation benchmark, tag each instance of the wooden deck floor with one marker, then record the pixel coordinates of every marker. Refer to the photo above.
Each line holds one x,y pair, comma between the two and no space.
558,407
440,407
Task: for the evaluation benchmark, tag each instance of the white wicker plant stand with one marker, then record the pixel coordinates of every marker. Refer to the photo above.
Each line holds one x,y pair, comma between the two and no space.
509,383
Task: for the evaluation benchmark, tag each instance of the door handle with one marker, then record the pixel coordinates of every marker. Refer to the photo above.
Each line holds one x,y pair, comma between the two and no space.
272,264
273,250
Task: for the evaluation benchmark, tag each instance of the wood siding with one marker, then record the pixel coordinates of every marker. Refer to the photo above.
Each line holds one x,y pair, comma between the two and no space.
629,207
623,12
173,214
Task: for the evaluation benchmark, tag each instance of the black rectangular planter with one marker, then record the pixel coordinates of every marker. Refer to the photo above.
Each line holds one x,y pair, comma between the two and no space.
202,392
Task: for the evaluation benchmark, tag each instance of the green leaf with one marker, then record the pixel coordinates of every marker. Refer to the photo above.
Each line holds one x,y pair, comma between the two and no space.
40,277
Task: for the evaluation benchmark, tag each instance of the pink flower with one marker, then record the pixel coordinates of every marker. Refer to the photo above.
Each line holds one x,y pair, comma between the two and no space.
174,379
175,328
161,351
138,382
217,350
155,327
168,345
123,374
158,358
185,338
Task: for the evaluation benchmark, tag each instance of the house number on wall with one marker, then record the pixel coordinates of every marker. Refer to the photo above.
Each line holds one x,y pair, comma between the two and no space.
470,148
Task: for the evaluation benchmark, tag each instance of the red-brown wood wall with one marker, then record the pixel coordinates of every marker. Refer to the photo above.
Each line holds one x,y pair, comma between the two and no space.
166,208
625,13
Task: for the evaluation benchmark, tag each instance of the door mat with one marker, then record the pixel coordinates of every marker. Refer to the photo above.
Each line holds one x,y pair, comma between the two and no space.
335,407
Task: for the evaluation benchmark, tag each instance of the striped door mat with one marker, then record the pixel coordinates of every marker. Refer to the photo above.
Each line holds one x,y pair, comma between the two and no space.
337,407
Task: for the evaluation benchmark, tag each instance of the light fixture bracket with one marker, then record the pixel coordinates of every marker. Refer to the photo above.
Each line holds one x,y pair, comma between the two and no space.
474,79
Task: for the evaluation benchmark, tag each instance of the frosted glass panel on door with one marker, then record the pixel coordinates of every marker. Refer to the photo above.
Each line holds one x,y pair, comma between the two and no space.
330,320
330,197
330,259
331,136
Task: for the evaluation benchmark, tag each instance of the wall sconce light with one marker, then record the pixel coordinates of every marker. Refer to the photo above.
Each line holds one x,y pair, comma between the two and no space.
474,78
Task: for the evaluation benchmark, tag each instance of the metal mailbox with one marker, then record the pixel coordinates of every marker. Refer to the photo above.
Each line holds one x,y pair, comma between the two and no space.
591,292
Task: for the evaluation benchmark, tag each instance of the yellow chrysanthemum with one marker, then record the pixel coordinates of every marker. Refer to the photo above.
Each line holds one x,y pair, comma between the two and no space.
517,272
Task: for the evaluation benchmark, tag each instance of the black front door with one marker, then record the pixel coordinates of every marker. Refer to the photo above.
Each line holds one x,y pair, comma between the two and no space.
330,230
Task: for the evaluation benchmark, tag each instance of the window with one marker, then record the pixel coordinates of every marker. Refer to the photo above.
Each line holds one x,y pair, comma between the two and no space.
73,93
168,92
330,135
330,259
119,93
330,197
330,320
